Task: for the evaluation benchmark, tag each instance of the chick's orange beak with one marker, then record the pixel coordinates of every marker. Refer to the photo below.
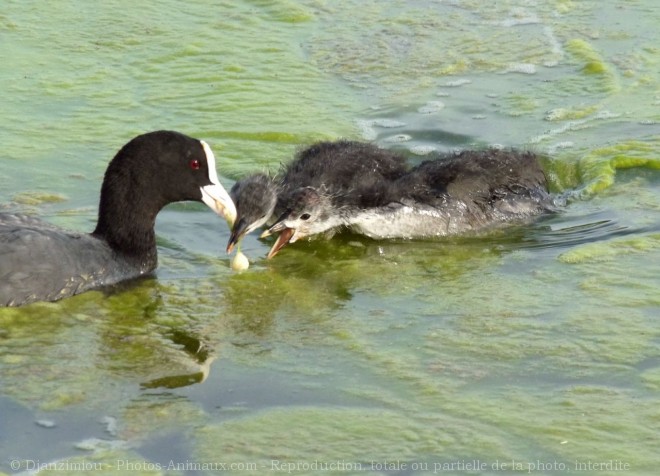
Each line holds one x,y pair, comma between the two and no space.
282,239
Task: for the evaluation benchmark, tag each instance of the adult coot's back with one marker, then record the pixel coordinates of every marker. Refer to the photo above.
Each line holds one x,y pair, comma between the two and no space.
40,262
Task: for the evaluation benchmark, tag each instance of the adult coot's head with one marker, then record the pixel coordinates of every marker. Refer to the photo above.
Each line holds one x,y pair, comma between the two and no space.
149,172
40,262
255,198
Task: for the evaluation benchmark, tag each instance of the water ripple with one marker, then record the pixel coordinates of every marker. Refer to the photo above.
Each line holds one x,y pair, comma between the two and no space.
569,232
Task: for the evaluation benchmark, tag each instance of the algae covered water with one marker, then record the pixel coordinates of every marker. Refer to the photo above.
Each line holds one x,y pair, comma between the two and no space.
533,349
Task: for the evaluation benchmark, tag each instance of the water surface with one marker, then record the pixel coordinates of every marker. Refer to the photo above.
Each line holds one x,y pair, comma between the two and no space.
535,346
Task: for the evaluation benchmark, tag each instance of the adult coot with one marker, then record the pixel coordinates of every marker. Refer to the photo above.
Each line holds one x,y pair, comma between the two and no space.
468,191
40,262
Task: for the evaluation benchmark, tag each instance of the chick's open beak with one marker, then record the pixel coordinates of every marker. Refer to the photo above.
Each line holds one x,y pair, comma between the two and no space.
283,238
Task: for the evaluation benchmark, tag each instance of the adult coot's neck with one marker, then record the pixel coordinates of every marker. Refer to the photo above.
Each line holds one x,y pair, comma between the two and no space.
149,172
128,207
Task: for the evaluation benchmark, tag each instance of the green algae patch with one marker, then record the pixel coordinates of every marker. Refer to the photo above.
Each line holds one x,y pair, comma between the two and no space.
145,417
272,136
561,174
38,198
571,113
108,462
64,398
286,11
607,342
598,167
304,435
520,105
612,283
610,250
651,378
565,6
382,56
573,423
593,64
89,340
52,378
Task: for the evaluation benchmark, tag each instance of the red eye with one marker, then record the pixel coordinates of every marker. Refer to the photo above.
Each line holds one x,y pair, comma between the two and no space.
195,164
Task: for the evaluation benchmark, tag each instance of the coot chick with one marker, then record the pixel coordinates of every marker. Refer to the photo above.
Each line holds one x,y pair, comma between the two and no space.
344,172
255,198
40,262
469,191
351,169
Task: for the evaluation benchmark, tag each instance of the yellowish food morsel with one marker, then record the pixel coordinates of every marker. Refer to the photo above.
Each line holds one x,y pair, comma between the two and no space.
240,262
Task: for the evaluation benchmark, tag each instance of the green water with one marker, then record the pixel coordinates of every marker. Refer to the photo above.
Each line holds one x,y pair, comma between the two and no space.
535,349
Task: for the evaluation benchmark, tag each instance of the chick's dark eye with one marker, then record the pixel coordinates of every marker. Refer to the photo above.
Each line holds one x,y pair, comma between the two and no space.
195,164
305,216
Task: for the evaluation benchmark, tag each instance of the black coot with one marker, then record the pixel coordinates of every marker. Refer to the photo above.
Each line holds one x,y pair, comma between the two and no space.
40,262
